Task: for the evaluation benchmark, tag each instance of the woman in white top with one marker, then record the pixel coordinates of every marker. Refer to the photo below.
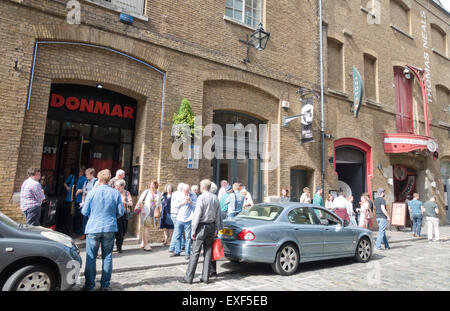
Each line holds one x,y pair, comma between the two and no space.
364,212
149,201
329,202
248,202
350,212
306,196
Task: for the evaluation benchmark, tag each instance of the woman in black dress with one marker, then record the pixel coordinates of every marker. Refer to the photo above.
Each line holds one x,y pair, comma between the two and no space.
166,222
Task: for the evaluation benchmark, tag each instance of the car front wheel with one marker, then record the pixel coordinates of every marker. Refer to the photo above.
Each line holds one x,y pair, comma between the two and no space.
363,250
287,260
31,278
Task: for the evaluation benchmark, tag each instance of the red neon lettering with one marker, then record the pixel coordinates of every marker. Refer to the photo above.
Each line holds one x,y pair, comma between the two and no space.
85,106
128,112
101,108
57,101
72,103
117,111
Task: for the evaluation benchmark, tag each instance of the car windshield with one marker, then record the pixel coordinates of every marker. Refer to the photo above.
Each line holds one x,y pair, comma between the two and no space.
8,221
262,212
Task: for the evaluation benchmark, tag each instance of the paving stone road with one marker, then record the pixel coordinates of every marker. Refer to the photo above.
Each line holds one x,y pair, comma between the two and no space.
414,265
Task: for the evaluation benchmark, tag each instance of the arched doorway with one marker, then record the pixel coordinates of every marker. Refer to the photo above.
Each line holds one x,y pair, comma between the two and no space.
245,164
353,166
301,177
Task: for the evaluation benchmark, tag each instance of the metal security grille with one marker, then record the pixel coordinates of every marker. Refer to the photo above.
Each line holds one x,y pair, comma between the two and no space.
125,6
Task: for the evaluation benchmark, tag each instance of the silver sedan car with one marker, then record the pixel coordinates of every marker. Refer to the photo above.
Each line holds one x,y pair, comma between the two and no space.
36,258
287,234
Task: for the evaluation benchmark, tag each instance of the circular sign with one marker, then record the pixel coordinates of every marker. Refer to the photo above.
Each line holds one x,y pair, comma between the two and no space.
431,145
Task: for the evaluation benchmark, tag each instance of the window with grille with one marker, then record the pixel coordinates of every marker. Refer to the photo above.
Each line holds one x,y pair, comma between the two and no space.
244,11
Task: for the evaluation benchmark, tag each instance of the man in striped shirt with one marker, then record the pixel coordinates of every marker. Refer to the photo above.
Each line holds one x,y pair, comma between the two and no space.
31,197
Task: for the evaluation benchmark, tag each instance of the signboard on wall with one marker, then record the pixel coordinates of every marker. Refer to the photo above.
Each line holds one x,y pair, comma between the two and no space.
194,156
398,214
307,119
88,104
134,188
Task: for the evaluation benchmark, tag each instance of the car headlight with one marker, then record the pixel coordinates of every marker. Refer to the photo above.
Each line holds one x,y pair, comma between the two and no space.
65,240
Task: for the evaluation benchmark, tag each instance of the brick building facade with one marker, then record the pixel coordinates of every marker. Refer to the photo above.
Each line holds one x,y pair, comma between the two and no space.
192,50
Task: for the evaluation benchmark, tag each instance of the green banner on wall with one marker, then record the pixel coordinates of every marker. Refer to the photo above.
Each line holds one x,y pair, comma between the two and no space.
357,91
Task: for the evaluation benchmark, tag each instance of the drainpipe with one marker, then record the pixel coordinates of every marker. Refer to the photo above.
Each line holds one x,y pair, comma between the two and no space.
322,113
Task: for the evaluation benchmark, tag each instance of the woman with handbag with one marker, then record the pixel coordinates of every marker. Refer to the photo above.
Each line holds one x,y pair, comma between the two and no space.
166,222
149,207
122,222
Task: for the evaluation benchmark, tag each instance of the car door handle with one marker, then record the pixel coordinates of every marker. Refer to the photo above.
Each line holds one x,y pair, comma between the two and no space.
9,249
297,229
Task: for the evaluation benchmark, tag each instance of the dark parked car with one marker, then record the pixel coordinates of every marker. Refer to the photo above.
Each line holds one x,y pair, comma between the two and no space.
36,258
287,234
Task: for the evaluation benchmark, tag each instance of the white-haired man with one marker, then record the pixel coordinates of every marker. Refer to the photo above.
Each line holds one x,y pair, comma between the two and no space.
205,225
222,190
120,174
174,208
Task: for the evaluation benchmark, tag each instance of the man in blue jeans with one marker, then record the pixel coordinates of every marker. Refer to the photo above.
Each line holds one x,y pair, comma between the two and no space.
186,204
103,206
383,218
416,209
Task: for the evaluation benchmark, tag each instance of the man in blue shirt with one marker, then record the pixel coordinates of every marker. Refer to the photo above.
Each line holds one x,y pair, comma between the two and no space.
416,209
103,206
78,219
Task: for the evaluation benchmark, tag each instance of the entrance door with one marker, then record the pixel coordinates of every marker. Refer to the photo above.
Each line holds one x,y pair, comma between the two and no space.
350,167
405,180
299,180
69,164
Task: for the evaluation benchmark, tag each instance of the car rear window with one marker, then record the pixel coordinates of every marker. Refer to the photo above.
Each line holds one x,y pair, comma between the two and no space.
262,212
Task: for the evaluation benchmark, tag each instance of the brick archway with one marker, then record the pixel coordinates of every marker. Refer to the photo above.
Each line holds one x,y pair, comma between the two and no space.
366,149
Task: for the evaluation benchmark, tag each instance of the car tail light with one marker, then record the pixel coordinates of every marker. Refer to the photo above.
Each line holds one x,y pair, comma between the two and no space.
246,235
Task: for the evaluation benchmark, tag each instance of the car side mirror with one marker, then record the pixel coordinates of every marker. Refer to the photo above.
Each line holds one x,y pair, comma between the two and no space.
346,223
324,222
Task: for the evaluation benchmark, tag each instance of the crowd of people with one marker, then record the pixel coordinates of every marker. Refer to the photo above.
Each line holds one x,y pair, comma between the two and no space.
190,217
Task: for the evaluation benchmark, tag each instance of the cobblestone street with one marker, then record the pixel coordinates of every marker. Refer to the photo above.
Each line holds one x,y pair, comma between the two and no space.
413,265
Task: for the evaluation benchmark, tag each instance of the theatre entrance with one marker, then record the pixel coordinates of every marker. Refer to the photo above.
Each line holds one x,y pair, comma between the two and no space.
86,128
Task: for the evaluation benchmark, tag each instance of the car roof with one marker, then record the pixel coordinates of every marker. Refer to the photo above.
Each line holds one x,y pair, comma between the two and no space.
290,204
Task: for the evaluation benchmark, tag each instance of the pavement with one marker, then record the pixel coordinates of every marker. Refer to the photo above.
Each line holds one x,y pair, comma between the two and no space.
134,258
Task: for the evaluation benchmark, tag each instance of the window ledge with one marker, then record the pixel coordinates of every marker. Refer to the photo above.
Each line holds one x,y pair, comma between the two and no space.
402,32
338,93
444,124
440,54
229,19
105,5
373,103
367,11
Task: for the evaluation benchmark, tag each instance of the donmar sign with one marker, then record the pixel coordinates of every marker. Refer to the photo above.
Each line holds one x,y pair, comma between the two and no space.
357,91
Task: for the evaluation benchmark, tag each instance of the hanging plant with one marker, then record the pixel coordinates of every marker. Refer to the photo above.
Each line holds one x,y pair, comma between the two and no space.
184,122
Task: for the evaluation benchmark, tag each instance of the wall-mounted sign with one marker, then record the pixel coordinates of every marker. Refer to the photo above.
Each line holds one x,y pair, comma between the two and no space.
87,104
357,91
134,187
194,156
402,143
307,119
